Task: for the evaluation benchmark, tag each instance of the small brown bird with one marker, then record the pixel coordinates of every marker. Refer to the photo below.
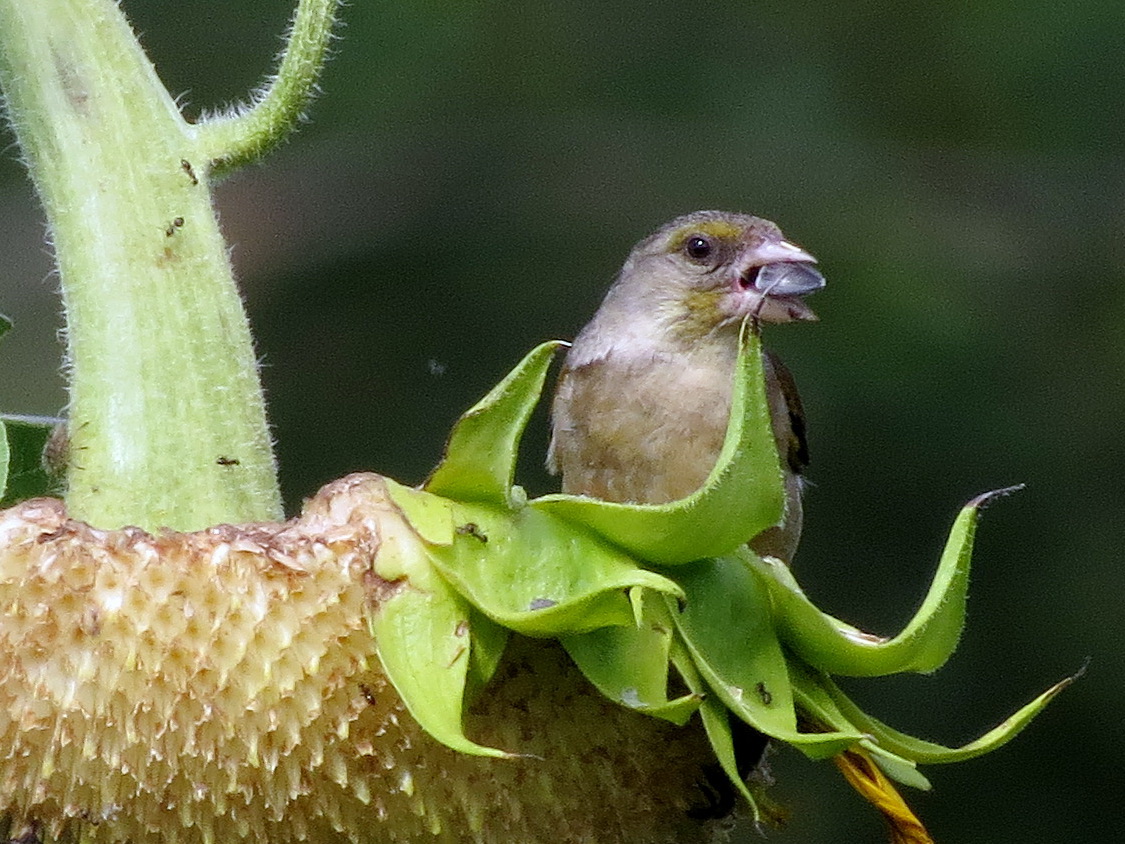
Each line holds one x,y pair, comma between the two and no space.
643,400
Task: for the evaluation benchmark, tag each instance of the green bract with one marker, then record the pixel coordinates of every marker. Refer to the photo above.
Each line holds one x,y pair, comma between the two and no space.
24,472
634,591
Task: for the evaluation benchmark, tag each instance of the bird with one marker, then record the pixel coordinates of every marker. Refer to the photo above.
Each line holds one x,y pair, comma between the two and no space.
643,398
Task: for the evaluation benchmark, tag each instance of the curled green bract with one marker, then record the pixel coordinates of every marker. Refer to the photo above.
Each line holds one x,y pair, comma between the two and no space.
635,593
741,497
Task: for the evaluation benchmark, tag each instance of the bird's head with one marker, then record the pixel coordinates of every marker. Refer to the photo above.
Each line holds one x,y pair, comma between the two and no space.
709,270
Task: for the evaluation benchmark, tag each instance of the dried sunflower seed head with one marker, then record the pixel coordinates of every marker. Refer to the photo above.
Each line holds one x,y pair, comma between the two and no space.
223,686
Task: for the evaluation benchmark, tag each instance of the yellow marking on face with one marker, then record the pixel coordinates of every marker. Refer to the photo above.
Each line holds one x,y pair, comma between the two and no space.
721,230
697,314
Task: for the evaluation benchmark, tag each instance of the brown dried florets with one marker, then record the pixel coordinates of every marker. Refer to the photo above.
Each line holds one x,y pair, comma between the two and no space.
223,685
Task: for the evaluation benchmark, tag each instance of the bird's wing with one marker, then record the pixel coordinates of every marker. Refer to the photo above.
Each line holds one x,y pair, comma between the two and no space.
796,446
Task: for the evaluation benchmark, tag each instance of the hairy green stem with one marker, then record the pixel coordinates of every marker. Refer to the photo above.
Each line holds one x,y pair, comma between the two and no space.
246,134
166,416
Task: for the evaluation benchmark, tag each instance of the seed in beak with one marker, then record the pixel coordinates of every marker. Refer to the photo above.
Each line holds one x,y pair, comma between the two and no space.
790,278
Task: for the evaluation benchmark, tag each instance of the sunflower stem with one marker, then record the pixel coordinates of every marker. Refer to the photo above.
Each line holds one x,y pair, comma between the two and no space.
167,420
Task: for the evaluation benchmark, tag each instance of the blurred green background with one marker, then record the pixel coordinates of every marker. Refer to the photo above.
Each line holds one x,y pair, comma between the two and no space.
475,173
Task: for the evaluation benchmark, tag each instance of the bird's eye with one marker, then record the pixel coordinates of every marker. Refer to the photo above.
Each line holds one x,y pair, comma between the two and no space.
698,247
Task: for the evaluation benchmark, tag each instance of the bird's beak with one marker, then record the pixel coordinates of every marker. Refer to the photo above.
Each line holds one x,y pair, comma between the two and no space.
781,273
788,279
774,251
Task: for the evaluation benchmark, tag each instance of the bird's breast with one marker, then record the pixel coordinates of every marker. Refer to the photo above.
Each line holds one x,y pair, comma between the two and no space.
645,429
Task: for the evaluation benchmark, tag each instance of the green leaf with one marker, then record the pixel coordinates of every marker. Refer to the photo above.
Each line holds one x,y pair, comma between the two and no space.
538,575
5,325
629,665
929,753
924,644
727,628
480,457
895,767
815,706
489,640
431,516
422,632
25,439
526,570
716,723
742,496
